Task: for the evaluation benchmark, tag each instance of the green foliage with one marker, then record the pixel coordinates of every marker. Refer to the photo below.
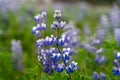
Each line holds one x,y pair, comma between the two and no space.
18,26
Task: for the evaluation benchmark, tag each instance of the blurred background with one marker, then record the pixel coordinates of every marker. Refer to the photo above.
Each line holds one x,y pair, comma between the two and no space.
16,22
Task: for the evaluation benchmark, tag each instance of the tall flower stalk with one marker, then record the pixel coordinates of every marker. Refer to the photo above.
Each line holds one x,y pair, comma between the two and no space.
17,54
52,52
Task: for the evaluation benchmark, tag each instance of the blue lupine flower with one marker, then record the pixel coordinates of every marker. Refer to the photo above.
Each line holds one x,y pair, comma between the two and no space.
49,55
66,56
50,40
37,18
53,39
54,25
40,19
117,56
40,43
41,27
36,29
60,68
68,50
74,65
57,14
116,69
62,24
61,42
69,70
48,69
71,67
56,57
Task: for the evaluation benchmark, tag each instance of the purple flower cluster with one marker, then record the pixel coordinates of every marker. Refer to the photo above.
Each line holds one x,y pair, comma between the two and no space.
16,47
52,40
114,15
116,69
52,51
98,52
40,20
100,59
103,28
71,34
100,76
17,55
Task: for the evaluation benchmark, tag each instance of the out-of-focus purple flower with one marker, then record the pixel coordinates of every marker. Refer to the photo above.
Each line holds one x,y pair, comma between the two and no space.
95,41
88,47
103,28
100,59
71,35
16,47
117,35
17,54
86,30
101,50
95,75
100,76
116,63
115,22
115,16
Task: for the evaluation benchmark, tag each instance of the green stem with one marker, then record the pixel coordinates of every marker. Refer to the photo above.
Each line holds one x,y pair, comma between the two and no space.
58,32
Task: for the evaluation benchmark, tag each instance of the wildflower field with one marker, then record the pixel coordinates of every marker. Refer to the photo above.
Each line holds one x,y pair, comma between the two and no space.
60,42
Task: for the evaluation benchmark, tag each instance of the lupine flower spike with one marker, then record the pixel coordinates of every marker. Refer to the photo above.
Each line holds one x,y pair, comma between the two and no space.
52,52
115,22
17,55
